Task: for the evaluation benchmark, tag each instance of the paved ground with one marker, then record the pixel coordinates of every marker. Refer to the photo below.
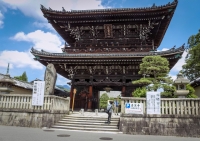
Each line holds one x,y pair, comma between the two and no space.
10,133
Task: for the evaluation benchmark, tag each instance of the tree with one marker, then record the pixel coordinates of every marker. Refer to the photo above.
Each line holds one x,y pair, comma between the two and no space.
191,68
157,68
23,77
103,101
140,92
191,92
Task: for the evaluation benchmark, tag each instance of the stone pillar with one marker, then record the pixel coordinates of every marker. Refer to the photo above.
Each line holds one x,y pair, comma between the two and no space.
90,99
123,91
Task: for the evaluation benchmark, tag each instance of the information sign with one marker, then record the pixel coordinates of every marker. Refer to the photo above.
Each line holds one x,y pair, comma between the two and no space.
38,93
134,108
153,102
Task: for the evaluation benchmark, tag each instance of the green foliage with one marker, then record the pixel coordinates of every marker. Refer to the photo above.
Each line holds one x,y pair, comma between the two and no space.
157,68
191,93
168,91
191,68
142,81
103,101
23,77
140,92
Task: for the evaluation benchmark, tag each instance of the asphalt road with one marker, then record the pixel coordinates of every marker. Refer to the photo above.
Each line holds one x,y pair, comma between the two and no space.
11,133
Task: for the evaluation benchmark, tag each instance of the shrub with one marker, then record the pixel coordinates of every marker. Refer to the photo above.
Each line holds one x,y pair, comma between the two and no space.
191,92
103,101
139,92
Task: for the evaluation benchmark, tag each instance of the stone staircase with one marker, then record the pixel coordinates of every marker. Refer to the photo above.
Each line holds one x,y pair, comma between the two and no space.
88,122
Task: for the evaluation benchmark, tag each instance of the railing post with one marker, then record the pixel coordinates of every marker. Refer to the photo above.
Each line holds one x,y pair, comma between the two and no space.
122,106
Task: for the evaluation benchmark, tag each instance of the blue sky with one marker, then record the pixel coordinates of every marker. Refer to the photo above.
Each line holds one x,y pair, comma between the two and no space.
23,26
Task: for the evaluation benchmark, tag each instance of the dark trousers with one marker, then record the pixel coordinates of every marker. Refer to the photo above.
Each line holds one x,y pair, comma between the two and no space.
109,117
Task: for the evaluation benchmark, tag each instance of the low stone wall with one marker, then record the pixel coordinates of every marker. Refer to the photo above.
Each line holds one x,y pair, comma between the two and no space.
165,125
36,119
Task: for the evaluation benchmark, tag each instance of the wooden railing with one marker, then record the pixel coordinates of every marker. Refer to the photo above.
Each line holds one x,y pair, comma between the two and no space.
169,106
24,102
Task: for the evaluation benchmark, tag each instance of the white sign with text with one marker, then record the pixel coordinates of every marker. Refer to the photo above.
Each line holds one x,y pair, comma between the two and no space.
134,108
38,93
153,102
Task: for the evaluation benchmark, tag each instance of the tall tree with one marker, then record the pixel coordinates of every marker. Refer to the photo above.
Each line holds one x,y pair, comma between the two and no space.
22,77
157,68
191,68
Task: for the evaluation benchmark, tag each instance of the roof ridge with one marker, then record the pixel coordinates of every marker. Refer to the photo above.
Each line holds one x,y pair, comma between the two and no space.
174,3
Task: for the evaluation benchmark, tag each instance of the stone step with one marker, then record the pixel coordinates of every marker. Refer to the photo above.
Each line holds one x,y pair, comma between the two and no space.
115,123
84,128
87,122
90,118
105,125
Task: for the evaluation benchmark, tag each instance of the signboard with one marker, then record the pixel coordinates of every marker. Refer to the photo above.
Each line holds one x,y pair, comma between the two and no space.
134,108
153,102
38,93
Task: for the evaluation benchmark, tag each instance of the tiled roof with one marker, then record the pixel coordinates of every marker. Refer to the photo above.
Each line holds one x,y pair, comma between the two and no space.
110,10
26,85
170,51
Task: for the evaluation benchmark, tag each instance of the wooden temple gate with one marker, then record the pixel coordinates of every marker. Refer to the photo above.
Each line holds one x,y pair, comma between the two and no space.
105,47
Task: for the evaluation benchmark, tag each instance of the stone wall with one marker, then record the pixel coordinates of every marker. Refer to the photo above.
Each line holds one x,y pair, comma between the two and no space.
30,119
165,125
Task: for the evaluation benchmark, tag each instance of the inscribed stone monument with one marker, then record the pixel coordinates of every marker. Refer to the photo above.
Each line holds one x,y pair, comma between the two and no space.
50,79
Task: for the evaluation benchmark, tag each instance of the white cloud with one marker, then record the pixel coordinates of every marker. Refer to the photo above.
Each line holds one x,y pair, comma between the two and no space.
164,49
18,60
32,7
178,66
41,40
1,19
43,25
180,63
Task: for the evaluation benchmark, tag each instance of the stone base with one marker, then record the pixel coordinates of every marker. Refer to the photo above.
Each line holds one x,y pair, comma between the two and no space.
165,125
27,119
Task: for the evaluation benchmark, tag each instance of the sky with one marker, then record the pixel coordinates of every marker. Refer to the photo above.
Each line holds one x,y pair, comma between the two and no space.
22,26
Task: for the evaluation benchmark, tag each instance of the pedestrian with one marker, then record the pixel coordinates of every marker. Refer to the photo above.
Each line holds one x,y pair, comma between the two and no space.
116,106
110,110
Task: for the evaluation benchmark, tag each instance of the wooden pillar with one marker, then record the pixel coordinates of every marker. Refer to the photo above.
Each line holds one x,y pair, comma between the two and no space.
71,96
90,99
123,91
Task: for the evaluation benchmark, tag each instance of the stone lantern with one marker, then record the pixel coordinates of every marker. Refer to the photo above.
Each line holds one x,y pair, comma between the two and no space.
6,83
180,84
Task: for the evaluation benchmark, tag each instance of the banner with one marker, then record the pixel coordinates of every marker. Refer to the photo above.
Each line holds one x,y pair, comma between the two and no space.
38,93
134,108
153,102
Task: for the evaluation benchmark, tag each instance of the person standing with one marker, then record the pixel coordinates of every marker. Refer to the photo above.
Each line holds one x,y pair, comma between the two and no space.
110,110
116,104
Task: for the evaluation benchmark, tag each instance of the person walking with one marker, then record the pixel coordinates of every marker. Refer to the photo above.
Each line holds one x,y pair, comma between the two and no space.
116,106
110,110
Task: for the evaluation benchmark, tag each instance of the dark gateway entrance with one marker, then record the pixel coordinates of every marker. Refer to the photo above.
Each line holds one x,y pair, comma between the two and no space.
104,47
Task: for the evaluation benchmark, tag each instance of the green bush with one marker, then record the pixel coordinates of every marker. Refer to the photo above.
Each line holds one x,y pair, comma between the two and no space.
140,92
103,101
191,92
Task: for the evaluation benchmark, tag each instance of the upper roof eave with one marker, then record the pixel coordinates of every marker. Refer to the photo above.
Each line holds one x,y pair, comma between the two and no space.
110,11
